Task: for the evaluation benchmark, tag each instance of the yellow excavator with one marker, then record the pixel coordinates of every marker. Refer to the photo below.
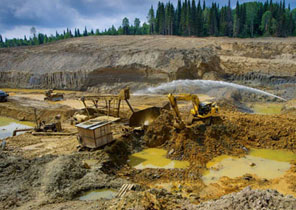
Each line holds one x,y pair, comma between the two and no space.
200,111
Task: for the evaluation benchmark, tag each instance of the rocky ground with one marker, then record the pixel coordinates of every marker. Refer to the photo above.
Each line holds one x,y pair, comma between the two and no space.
251,199
48,172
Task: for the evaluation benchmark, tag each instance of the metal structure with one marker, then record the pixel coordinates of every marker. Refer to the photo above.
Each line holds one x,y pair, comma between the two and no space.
3,96
112,104
94,133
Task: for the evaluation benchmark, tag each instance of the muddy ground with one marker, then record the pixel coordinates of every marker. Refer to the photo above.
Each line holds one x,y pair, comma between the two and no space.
48,172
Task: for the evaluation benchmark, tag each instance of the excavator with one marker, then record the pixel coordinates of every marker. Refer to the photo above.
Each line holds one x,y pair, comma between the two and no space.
200,111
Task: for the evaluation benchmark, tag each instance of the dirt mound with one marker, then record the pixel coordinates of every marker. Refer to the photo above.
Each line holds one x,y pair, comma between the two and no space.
19,177
60,174
160,130
250,199
233,134
50,178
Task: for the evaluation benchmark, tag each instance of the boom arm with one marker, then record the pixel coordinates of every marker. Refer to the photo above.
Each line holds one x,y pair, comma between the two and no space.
185,97
199,111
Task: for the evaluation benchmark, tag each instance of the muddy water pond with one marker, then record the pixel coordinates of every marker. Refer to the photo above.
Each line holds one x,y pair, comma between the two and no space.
154,158
99,194
266,108
264,163
8,125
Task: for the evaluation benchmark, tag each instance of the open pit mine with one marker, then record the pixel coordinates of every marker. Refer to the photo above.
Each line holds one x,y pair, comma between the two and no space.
149,122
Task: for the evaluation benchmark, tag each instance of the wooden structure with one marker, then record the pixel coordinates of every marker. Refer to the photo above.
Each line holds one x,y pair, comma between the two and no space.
94,133
124,189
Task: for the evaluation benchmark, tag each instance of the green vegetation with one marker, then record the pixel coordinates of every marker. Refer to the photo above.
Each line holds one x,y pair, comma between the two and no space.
191,18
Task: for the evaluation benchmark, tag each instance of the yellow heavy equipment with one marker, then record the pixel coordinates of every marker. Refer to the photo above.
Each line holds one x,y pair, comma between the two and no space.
200,111
51,96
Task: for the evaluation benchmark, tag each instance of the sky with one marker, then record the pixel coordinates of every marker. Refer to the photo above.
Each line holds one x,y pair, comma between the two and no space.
49,16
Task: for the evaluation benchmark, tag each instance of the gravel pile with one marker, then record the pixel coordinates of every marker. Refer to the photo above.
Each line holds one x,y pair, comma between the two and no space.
251,199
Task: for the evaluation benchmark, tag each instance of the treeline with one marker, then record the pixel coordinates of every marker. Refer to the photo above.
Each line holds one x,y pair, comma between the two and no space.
192,18
250,19
40,38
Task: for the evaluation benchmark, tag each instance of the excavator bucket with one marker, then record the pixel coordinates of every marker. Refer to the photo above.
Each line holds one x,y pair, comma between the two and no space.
144,117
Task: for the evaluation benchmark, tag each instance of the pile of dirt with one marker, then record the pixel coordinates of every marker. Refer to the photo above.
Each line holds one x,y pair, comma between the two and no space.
250,199
199,141
233,134
160,130
51,178
150,199
19,177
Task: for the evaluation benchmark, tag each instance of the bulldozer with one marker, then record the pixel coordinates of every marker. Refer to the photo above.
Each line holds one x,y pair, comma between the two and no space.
201,110
51,96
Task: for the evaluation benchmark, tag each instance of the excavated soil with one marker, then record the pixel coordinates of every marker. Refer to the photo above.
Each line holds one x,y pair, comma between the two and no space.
47,172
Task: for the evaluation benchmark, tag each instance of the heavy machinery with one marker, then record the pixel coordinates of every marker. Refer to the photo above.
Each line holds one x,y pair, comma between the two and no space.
51,96
42,126
200,111
3,96
111,107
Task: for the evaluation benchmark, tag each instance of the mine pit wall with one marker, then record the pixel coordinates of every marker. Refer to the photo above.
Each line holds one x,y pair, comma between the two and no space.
111,63
262,79
134,69
57,80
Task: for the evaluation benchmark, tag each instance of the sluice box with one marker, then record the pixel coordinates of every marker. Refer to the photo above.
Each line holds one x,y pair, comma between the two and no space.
94,133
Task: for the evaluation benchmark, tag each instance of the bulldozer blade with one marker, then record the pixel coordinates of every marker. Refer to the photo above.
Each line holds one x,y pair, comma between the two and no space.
144,117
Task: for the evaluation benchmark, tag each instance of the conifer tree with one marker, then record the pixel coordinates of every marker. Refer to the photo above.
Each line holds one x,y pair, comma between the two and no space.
151,20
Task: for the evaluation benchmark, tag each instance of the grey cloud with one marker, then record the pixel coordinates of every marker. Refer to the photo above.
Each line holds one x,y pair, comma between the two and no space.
53,14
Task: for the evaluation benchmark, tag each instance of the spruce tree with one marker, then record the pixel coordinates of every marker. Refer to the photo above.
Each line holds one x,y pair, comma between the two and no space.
178,18
125,26
237,21
151,20
199,20
229,20
85,33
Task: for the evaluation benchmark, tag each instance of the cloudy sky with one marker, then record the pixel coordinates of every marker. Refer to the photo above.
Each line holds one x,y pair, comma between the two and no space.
47,16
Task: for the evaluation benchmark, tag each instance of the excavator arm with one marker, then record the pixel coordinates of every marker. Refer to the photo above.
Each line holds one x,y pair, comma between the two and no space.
199,111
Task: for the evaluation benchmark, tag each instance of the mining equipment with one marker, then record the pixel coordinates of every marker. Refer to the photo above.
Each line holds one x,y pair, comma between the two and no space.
200,111
112,106
51,96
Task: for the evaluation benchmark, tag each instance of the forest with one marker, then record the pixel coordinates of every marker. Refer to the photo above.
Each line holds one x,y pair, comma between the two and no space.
191,18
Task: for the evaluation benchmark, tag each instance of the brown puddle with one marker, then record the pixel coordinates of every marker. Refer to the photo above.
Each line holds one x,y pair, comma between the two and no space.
264,163
154,158
8,125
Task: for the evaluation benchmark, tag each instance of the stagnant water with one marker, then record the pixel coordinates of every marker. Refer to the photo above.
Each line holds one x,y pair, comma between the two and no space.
8,125
194,86
98,194
264,163
266,108
154,158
